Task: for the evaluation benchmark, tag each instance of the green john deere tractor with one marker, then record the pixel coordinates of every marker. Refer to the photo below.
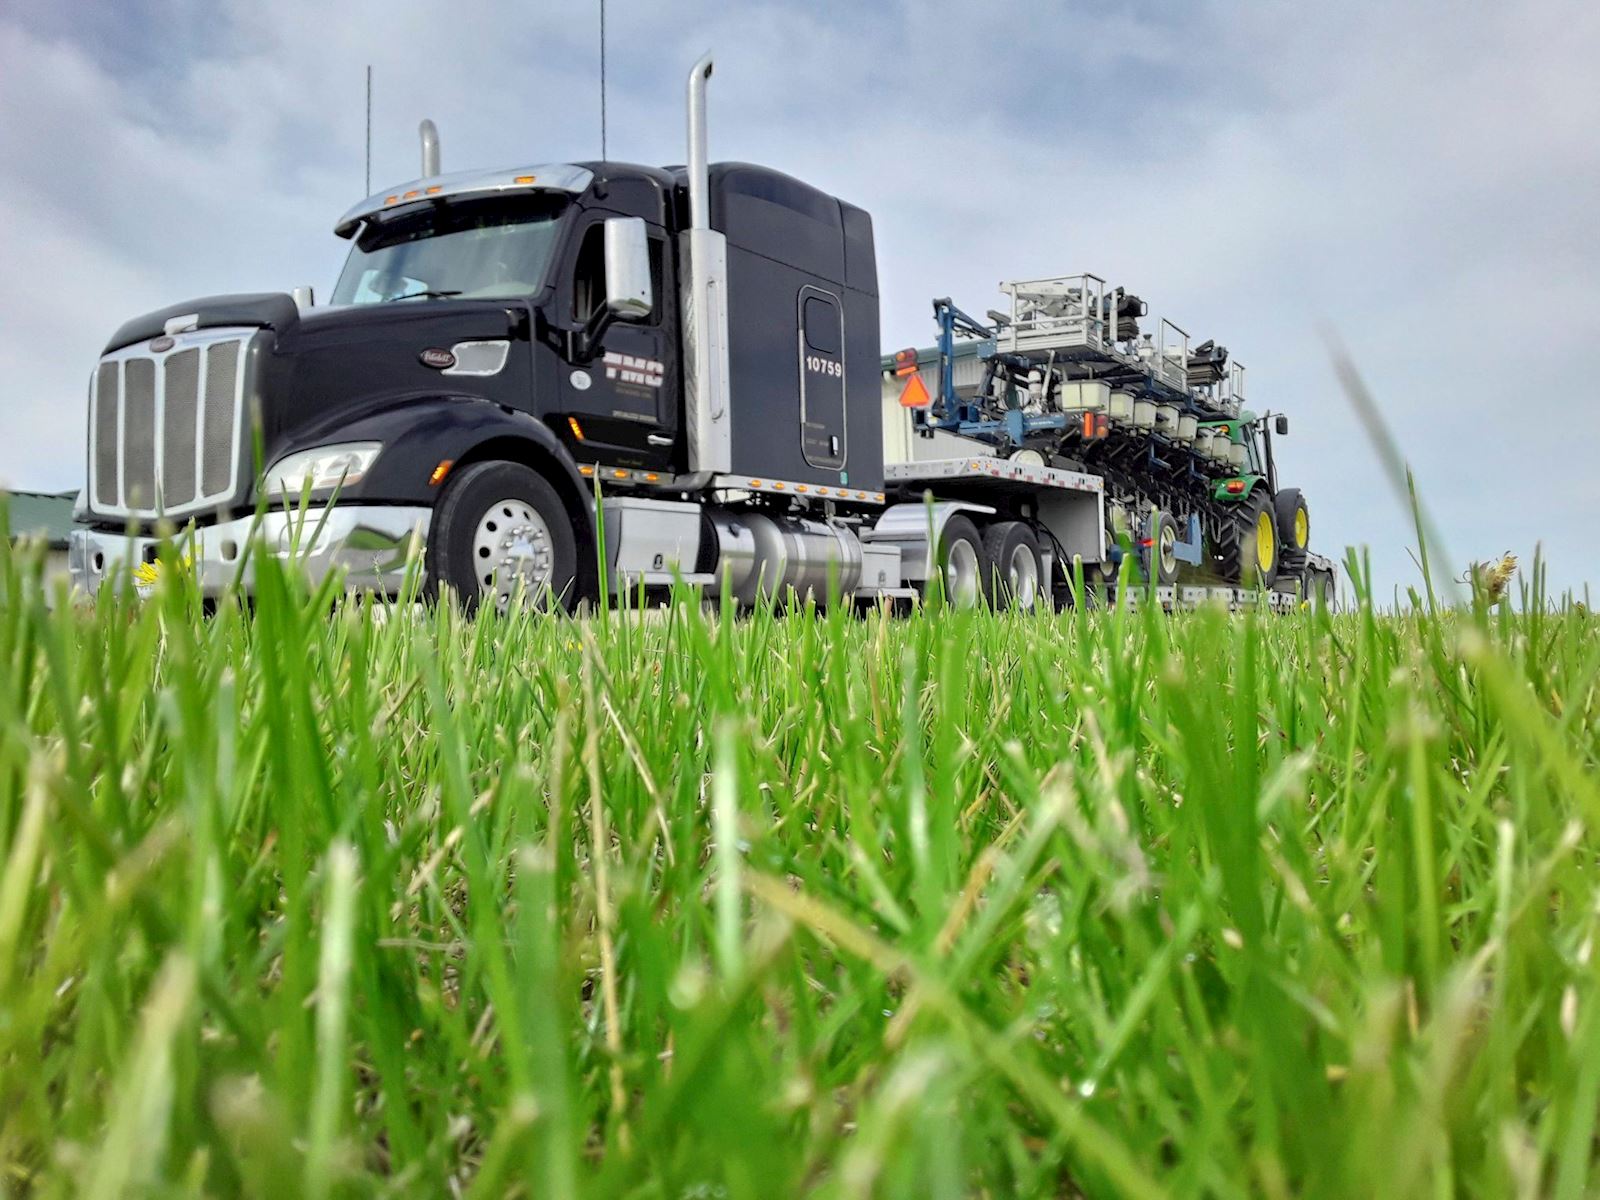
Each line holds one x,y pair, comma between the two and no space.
1263,532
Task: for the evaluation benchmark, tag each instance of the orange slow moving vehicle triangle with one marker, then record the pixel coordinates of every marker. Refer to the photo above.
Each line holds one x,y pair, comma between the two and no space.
915,393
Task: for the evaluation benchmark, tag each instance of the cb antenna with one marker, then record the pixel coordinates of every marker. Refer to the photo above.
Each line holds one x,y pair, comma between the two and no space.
602,80
368,191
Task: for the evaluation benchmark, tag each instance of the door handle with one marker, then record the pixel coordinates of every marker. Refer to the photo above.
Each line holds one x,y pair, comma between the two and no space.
658,439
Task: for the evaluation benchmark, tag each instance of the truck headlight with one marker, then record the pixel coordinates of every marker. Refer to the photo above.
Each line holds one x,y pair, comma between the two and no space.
321,469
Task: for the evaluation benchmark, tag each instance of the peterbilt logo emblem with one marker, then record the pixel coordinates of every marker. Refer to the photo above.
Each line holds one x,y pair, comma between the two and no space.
161,344
437,358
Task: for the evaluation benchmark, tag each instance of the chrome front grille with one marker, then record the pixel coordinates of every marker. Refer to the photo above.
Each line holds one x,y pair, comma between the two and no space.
165,428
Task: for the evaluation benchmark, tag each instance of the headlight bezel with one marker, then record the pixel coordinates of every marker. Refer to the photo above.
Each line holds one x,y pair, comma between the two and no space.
337,466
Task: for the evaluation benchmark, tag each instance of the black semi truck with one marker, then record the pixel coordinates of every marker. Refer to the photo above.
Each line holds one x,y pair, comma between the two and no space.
701,342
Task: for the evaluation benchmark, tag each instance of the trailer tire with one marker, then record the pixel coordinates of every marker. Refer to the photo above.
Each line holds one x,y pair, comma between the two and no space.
1294,519
1161,554
963,567
1323,592
500,532
1013,554
1251,557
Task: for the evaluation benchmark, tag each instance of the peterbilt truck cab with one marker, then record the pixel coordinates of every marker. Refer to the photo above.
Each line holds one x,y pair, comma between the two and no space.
496,343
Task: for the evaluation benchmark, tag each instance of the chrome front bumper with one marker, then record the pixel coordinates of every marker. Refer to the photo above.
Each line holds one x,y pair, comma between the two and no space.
372,544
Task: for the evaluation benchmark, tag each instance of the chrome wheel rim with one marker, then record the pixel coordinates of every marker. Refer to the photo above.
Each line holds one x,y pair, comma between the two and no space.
1167,548
512,553
1022,577
961,583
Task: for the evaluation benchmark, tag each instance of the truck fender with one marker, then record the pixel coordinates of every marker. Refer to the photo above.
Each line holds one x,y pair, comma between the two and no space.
420,436
916,527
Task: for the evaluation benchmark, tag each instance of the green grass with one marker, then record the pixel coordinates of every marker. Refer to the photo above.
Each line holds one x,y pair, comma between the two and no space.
379,904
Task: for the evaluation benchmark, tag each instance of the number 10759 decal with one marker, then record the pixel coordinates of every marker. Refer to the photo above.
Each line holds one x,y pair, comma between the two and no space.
823,366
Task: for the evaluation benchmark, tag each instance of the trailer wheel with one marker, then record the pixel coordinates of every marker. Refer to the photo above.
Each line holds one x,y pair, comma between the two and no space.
1323,591
1013,554
1162,553
1251,557
963,566
1294,519
501,535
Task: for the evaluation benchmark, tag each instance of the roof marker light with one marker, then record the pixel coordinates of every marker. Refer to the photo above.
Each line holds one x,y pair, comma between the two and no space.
411,195
433,191
525,179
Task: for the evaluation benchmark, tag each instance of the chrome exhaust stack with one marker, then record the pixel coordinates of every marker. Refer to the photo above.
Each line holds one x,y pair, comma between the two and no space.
430,148
699,176
704,306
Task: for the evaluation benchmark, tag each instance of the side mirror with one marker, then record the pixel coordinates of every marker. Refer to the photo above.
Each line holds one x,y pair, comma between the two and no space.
1280,425
628,291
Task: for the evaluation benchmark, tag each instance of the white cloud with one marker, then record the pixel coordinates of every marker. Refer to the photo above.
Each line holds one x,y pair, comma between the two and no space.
1418,176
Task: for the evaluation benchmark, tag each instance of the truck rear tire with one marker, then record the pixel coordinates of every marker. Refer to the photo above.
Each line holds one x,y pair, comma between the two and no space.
501,534
1251,559
1013,554
964,573
1294,519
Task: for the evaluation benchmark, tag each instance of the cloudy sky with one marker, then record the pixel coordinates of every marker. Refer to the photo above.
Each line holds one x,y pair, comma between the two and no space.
1421,179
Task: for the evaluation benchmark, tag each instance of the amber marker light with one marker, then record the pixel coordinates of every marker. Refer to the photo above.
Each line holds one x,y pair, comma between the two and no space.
577,430
441,471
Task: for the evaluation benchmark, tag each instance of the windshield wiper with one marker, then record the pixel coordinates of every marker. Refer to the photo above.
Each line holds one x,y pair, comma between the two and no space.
428,294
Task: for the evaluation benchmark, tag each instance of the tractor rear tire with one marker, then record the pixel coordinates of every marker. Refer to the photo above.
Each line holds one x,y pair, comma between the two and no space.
1251,557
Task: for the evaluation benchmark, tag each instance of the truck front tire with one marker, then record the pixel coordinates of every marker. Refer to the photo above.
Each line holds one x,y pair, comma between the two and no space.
501,535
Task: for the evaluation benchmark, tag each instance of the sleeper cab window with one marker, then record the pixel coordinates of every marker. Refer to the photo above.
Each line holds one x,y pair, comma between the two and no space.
820,320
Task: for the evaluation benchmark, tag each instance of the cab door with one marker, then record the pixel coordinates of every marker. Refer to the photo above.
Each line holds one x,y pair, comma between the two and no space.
622,394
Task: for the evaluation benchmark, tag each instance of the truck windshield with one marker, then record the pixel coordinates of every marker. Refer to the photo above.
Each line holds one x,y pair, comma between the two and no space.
479,249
